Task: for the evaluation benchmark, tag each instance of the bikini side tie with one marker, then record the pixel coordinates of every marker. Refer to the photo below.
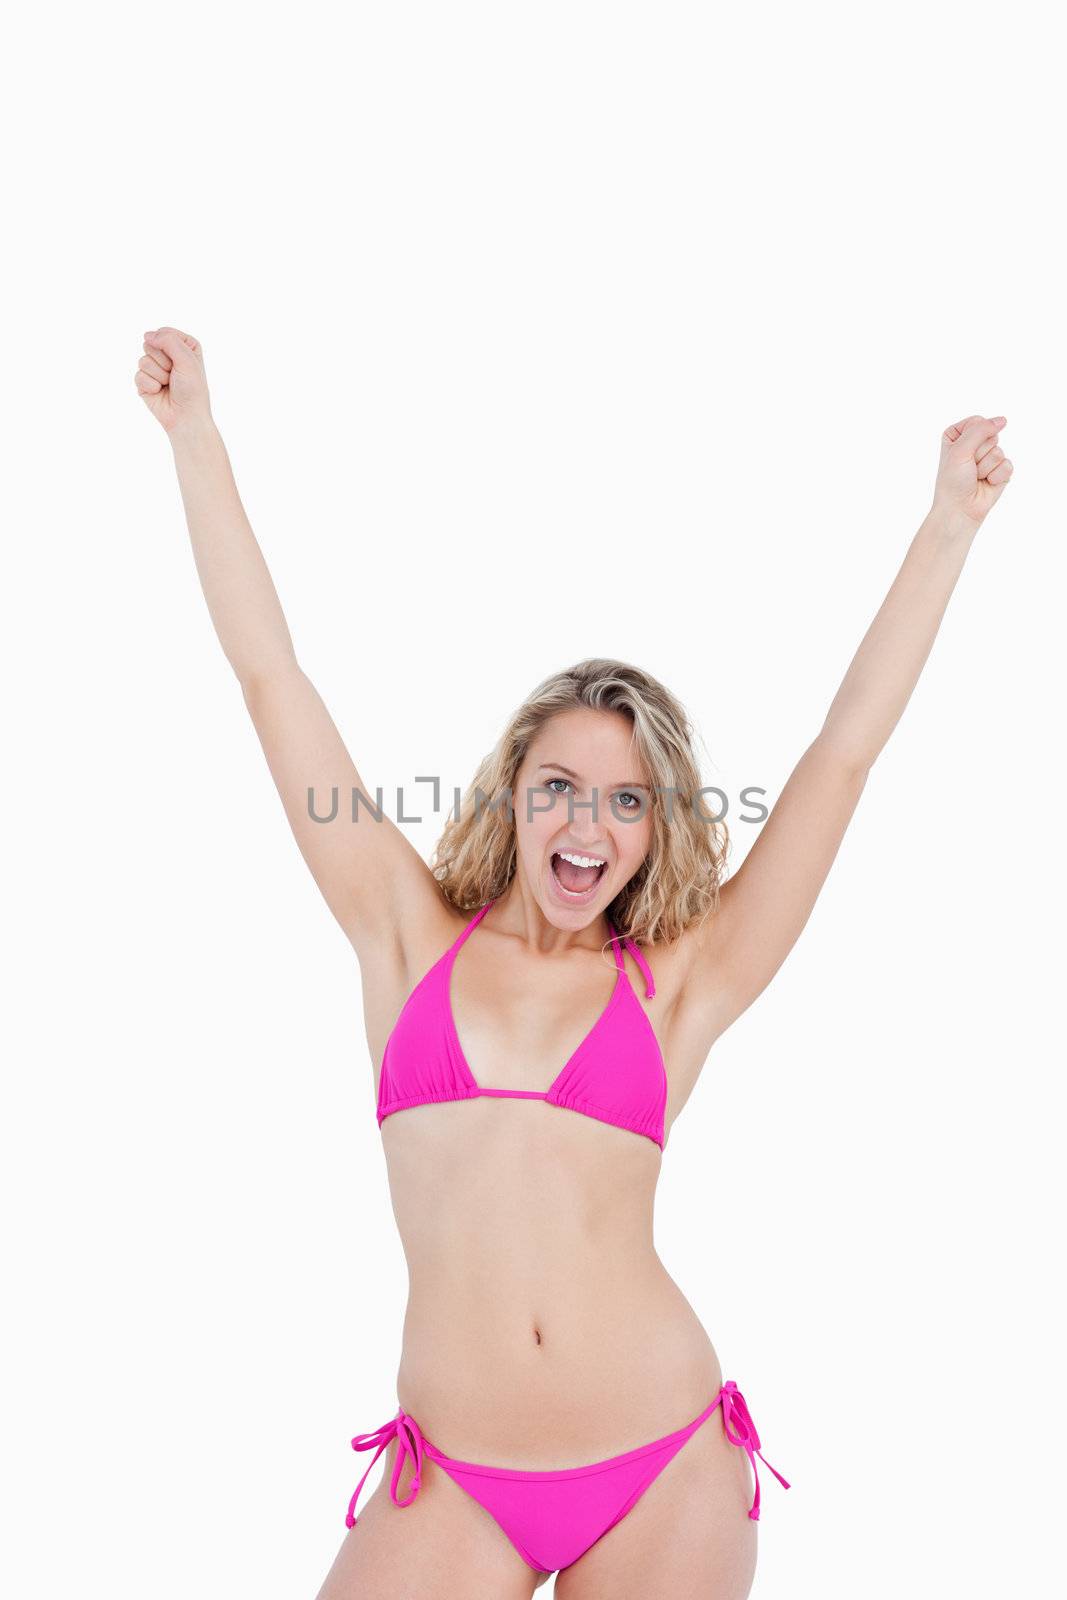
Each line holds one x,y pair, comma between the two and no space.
406,1431
741,1430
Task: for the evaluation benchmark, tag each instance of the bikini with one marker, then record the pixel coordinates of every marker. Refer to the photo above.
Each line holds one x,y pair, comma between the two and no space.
616,1075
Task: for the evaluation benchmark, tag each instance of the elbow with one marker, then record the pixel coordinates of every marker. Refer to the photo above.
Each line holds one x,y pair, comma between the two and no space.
254,679
851,759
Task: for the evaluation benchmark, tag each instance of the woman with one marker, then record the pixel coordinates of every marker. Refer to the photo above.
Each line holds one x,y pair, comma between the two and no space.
560,1406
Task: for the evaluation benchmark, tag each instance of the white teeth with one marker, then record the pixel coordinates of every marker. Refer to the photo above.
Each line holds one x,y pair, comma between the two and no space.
580,861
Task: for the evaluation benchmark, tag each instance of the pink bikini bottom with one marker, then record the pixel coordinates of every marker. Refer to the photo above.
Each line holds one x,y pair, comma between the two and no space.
552,1518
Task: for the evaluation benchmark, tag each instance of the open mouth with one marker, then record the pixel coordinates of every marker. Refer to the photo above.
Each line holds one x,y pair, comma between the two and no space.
577,875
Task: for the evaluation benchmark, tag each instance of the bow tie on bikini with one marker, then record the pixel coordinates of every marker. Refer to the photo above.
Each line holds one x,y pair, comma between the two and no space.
406,1431
741,1430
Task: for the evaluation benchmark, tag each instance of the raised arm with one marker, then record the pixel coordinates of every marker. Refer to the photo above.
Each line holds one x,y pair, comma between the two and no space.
766,903
370,875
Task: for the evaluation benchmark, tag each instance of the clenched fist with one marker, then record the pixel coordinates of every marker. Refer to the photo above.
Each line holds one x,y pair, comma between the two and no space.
973,468
171,380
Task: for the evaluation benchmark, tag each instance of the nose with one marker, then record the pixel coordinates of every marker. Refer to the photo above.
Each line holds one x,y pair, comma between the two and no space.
589,834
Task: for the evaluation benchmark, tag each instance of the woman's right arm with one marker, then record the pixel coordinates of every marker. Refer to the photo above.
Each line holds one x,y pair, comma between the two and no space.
371,876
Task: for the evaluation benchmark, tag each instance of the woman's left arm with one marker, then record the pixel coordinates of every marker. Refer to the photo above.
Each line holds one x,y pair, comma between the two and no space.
763,907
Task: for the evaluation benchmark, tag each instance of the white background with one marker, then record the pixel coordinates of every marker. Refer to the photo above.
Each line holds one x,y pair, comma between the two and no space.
534,333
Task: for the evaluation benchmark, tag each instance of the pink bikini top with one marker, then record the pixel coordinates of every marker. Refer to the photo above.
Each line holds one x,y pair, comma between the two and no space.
616,1074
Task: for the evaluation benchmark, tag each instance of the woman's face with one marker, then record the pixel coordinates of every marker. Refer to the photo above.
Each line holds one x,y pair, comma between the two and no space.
578,758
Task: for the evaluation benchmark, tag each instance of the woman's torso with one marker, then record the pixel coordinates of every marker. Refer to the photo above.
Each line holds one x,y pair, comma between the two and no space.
541,1329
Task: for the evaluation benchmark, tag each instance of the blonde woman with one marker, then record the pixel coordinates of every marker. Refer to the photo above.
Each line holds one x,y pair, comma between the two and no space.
539,1004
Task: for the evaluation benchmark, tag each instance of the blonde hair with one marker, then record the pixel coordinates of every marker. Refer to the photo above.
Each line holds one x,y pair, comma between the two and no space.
678,881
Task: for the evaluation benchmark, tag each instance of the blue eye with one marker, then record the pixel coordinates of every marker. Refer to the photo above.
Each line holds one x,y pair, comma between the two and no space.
626,798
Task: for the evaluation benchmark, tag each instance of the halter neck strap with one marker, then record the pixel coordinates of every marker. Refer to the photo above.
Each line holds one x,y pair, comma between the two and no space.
646,971
469,929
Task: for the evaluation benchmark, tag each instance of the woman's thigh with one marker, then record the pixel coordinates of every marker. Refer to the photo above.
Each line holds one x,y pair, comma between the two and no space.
439,1547
689,1537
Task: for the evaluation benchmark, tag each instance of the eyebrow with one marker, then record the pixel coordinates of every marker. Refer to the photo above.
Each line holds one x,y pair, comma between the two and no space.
557,766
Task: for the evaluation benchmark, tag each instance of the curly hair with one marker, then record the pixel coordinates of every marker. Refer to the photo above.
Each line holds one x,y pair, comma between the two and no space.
678,881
